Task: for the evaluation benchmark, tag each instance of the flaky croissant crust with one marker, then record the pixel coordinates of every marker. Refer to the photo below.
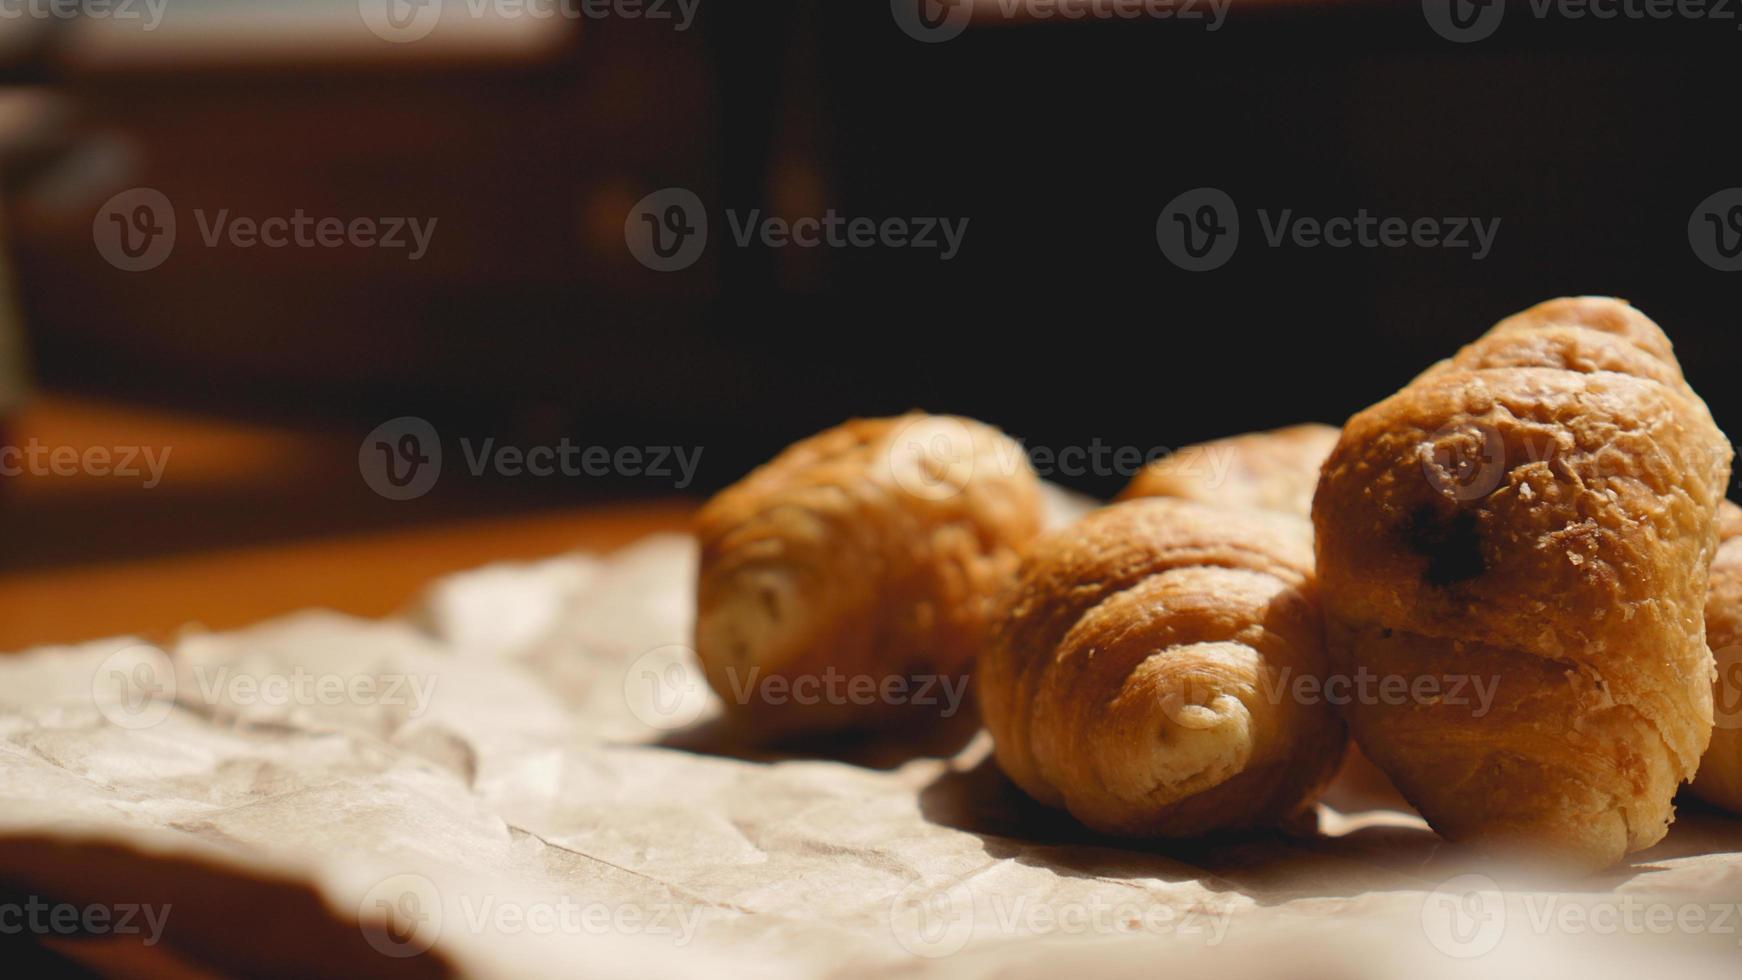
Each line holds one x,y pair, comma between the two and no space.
873,549
1538,509
1720,777
1275,470
1137,671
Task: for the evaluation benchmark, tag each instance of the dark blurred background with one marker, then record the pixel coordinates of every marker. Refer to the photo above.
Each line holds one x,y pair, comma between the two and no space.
531,140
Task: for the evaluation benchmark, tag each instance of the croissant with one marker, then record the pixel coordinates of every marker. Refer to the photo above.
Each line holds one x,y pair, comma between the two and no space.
850,580
1720,778
1275,470
1535,514
1143,671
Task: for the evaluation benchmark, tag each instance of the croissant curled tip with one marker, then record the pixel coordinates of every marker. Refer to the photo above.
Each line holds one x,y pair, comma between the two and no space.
862,558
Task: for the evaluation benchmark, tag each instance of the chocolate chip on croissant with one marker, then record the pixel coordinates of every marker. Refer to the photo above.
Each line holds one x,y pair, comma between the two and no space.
1275,470
1535,512
1143,673
848,582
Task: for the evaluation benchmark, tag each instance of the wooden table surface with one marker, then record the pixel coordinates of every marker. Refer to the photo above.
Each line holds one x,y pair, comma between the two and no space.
368,575
355,569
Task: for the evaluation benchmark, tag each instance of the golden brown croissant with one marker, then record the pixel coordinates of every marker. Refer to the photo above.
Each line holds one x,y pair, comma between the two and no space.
1144,671
851,578
1274,470
1720,778
1535,514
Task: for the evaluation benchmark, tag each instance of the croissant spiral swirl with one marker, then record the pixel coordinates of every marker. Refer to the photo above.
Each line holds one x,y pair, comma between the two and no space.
1141,670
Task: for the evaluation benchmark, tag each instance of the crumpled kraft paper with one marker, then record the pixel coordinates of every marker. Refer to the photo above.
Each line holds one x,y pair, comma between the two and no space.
521,777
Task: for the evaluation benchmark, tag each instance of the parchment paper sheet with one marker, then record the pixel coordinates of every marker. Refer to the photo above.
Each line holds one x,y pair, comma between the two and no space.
556,802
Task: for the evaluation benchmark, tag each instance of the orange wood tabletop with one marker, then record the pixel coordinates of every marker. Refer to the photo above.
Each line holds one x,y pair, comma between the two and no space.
368,575
252,521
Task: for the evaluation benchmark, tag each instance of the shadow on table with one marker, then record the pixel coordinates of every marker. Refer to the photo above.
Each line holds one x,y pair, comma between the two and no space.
939,739
1362,837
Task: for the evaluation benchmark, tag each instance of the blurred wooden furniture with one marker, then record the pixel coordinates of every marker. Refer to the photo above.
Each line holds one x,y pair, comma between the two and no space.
249,522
